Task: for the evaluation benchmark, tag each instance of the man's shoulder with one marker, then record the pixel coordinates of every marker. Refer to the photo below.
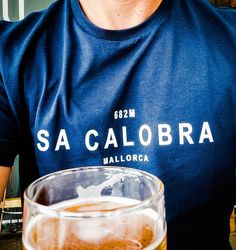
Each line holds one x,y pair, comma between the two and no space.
15,34
209,10
13,31
207,17
20,38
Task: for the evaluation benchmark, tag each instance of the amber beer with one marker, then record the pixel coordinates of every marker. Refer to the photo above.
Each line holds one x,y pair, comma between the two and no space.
101,222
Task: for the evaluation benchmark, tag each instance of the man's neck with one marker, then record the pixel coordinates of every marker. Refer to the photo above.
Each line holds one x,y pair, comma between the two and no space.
118,14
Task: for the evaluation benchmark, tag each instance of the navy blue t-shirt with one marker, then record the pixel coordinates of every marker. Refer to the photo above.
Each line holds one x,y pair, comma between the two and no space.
160,97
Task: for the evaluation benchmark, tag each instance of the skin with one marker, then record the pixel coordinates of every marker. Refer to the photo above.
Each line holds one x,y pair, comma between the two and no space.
4,176
118,14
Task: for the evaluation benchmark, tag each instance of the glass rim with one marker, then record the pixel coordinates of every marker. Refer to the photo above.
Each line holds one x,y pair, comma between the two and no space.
54,212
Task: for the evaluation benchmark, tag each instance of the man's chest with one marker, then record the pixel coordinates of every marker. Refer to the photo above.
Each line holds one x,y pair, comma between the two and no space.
147,104
144,123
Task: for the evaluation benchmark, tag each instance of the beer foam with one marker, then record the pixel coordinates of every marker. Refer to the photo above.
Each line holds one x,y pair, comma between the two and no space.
95,230
90,231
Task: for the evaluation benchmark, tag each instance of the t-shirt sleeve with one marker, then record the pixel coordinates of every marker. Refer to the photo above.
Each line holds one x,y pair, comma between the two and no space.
8,130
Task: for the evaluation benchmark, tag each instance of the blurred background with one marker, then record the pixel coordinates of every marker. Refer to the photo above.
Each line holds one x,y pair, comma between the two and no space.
12,10
10,208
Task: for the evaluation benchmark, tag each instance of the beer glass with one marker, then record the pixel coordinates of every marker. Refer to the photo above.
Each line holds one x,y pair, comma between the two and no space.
95,208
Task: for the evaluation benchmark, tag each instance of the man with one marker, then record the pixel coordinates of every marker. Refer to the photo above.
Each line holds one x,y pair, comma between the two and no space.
144,84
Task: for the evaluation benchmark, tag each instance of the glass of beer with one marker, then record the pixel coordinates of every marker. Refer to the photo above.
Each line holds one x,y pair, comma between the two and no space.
95,208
